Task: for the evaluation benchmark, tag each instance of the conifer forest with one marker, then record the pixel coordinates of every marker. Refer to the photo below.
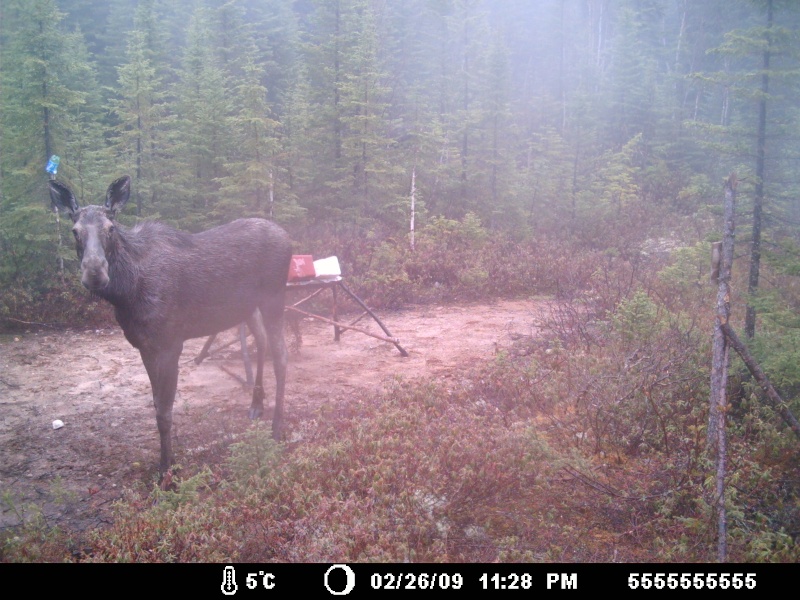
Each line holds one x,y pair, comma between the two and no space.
632,165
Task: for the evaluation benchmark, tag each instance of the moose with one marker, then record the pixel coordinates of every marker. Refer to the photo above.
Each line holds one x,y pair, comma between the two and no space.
169,286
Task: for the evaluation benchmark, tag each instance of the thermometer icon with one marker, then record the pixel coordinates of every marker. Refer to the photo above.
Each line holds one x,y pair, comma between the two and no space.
229,586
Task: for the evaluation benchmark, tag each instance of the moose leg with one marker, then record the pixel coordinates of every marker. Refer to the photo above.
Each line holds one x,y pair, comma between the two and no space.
162,368
256,325
274,324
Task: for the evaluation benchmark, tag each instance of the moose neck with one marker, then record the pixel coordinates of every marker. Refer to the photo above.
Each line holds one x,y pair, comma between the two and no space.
123,275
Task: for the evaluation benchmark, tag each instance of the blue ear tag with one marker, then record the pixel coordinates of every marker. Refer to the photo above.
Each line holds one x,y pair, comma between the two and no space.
52,164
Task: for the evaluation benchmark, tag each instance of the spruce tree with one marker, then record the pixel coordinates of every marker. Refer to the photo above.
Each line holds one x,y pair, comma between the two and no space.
141,116
249,188
203,110
49,106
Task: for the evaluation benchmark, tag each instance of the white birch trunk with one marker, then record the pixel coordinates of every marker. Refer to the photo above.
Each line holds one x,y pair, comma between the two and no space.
413,205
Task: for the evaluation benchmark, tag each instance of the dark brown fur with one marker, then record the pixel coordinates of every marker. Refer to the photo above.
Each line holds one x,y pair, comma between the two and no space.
168,286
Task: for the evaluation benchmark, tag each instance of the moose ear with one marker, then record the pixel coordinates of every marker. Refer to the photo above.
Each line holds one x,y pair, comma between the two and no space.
118,194
62,197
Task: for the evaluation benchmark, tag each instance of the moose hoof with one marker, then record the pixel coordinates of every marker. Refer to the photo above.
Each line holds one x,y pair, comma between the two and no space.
166,482
256,412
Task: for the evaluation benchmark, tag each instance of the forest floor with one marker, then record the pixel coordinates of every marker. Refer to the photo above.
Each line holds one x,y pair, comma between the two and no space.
95,383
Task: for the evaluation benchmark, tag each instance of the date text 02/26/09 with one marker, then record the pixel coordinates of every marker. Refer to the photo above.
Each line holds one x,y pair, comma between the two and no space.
416,581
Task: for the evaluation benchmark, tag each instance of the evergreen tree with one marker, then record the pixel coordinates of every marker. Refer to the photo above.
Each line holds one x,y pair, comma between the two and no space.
757,78
347,104
363,94
295,154
249,188
632,78
324,49
141,118
203,110
498,151
49,106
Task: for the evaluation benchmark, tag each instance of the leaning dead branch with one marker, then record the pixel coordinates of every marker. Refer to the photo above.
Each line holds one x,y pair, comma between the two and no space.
772,395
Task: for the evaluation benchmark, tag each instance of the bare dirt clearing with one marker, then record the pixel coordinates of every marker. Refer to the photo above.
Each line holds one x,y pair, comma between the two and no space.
96,384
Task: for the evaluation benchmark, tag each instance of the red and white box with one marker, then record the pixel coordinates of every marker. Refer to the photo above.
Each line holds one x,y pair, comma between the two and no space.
327,268
301,268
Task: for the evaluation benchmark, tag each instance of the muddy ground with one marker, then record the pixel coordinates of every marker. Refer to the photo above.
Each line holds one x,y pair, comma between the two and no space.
95,383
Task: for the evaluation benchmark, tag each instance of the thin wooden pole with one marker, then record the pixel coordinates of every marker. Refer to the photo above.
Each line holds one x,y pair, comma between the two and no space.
718,402
309,297
248,368
372,314
394,341
206,349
